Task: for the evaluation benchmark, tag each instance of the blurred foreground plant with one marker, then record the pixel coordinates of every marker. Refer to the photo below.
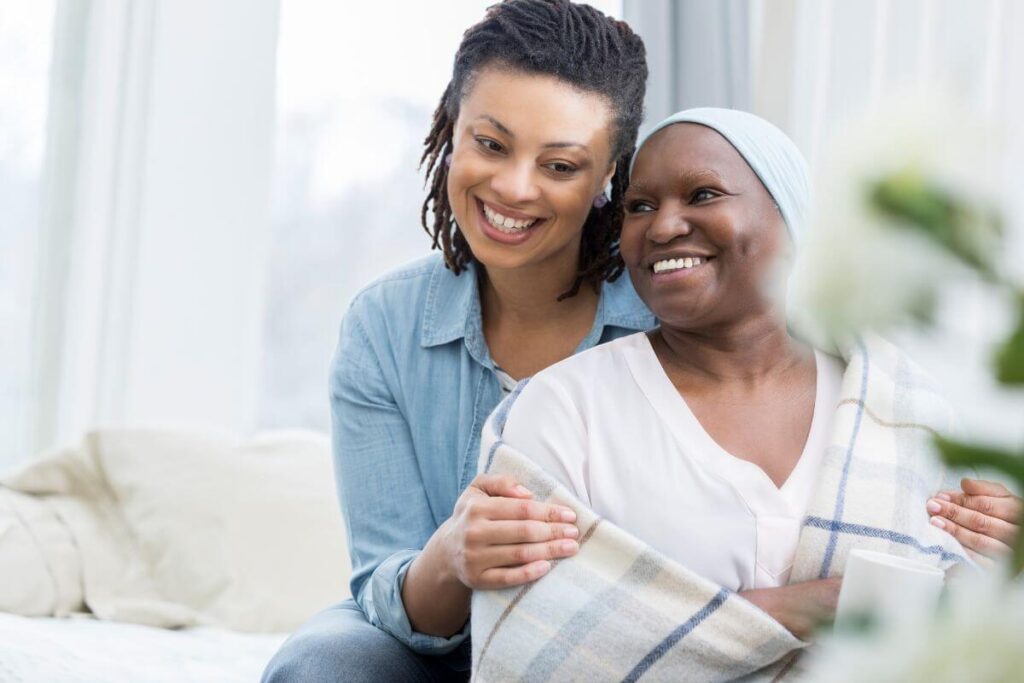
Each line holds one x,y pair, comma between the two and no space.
907,205
976,636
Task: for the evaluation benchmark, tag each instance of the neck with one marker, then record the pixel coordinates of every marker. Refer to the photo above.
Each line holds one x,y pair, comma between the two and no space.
529,296
747,351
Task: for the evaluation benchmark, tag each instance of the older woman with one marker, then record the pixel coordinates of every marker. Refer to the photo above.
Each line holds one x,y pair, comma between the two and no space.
709,437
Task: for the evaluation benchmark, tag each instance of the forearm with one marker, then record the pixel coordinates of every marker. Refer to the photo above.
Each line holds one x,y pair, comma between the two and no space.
800,607
436,602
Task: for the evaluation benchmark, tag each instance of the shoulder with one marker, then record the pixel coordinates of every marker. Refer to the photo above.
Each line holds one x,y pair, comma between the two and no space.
403,287
383,320
575,382
594,366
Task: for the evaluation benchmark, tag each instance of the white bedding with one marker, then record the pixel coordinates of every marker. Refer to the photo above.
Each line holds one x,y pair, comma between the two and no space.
80,650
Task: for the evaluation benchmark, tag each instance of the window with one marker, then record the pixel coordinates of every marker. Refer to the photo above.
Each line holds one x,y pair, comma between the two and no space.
25,45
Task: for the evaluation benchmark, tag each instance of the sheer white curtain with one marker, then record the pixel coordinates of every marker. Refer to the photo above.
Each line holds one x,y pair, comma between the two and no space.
698,53
152,251
26,38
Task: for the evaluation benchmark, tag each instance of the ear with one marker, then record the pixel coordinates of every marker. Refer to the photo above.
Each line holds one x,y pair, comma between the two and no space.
609,175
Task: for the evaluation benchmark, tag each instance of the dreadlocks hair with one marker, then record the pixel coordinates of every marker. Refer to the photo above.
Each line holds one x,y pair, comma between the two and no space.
578,45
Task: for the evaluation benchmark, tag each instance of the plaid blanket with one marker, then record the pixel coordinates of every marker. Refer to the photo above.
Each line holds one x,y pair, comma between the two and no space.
620,611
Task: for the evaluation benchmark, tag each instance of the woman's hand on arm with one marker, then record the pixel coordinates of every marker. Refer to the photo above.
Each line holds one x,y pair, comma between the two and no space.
497,537
984,517
800,607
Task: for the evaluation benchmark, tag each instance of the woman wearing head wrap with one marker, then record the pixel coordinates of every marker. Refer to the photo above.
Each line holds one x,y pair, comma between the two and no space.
719,439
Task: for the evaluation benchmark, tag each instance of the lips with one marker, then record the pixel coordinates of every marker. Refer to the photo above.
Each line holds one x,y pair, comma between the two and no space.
668,265
505,226
668,268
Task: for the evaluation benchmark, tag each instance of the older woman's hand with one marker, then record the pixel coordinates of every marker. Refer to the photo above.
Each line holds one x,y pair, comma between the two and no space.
985,517
801,607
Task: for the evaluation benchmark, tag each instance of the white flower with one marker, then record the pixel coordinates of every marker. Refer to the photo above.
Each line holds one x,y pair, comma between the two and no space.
861,267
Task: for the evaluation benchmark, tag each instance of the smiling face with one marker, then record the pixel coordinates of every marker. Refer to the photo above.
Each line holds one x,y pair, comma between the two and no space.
701,237
530,154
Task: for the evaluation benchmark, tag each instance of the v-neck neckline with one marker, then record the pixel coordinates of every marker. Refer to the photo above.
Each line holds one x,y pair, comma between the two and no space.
750,481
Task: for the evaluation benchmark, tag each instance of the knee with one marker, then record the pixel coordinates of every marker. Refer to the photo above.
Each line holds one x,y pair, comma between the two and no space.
348,652
313,657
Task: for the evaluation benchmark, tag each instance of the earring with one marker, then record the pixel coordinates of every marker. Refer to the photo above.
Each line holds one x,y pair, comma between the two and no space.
448,160
600,200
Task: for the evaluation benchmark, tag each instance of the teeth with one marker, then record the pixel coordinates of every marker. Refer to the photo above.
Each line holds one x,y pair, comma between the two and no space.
666,265
506,224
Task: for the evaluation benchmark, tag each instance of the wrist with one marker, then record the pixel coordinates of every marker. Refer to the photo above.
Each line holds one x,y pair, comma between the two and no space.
440,558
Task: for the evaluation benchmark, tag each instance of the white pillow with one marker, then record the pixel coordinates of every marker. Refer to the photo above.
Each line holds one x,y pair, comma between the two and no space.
249,535
173,528
40,570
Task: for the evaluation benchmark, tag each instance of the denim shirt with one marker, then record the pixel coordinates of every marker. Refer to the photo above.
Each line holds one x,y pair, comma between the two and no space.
411,385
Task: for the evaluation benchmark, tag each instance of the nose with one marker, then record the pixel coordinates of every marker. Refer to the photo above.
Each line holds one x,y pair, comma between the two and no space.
514,183
668,224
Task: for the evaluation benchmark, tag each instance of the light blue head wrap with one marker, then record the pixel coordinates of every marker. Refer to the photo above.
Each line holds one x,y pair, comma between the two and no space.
767,150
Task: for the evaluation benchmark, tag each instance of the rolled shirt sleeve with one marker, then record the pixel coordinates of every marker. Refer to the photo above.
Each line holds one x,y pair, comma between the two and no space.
387,513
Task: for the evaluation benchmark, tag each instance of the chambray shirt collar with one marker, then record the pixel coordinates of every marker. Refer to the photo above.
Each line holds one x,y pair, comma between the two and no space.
452,311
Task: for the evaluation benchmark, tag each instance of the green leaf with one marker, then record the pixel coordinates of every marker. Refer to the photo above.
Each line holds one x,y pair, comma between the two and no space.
1010,355
960,454
969,231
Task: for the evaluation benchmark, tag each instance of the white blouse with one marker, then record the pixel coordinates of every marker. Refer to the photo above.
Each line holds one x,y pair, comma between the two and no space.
610,425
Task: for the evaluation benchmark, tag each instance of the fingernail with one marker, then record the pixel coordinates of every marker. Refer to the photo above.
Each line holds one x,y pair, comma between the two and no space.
933,506
944,496
568,516
571,532
523,491
939,522
540,569
570,546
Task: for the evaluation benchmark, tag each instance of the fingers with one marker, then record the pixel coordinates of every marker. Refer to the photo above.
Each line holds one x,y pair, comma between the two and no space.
500,485
1007,508
522,554
503,577
983,523
526,531
507,499
513,565
504,508
502,537
972,540
982,487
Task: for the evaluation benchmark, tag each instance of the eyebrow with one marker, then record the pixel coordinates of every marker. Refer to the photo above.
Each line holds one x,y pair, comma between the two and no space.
686,178
550,145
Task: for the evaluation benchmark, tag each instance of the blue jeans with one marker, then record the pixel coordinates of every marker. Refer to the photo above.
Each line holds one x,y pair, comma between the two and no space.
338,644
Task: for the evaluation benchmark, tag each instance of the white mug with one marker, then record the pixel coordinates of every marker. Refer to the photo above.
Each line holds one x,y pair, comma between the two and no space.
885,587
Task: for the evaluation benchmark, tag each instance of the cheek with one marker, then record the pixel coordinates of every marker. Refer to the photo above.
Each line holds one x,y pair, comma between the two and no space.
571,200
462,173
631,241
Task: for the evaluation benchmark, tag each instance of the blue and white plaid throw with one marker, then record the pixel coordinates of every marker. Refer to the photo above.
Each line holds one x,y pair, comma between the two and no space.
620,611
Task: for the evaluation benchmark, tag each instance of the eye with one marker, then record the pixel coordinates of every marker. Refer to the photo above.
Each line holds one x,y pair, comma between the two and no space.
638,206
703,195
561,168
489,144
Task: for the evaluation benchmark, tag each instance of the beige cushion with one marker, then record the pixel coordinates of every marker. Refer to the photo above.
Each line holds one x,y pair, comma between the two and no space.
179,528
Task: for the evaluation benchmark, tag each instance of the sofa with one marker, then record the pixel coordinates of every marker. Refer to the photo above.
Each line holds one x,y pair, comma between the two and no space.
157,554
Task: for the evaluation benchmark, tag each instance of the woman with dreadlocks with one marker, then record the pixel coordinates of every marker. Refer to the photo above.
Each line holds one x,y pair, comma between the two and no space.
540,116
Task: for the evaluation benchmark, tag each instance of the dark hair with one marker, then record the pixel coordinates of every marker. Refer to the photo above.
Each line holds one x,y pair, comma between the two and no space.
576,44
